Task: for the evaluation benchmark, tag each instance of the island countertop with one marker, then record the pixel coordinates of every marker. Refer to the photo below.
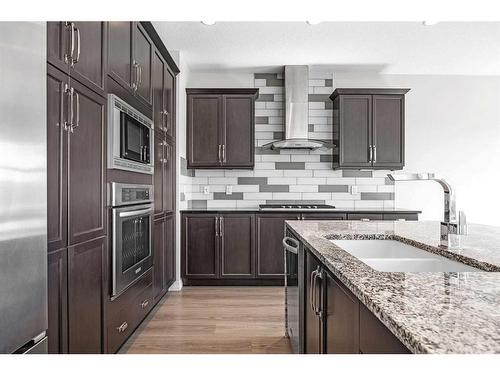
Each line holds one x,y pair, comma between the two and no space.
429,312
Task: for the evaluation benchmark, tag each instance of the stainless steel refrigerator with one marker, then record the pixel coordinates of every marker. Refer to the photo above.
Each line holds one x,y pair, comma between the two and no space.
23,185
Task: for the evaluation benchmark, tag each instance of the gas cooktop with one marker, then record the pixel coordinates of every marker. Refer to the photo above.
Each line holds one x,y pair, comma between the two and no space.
296,207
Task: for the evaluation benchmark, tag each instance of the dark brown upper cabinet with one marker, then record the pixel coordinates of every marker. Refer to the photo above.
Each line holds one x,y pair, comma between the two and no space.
78,49
371,126
130,55
221,128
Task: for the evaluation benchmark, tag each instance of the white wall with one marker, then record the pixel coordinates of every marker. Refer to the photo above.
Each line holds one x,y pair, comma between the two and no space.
452,128
224,79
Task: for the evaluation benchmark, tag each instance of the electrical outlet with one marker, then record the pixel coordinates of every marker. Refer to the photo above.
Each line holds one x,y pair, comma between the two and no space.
206,189
229,190
354,190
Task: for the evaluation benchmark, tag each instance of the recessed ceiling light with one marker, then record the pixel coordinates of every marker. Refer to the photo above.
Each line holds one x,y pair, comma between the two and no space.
208,23
313,22
429,23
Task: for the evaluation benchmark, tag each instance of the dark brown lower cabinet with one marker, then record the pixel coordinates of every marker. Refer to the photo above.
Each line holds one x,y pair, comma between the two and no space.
336,322
218,246
159,260
270,233
341,318
169,249
313,322
57,276
237,245
85,296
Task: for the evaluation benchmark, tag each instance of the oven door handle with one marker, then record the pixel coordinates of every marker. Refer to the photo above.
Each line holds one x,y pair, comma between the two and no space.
135,213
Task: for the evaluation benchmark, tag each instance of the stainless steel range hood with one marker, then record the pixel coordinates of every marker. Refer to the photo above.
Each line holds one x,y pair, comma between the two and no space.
297,112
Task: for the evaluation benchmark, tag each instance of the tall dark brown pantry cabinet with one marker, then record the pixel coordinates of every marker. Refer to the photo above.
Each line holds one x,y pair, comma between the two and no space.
220,128
370,126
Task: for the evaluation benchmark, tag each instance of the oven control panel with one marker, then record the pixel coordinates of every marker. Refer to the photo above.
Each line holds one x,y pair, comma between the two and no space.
125,194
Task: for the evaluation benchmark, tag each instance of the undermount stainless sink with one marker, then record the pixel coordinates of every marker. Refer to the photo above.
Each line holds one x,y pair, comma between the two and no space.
395,256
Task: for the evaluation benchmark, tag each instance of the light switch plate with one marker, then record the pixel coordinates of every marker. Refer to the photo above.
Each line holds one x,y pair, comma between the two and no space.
229,190
206,189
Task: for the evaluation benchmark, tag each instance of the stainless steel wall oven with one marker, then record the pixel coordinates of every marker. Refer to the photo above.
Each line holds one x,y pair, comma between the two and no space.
132,243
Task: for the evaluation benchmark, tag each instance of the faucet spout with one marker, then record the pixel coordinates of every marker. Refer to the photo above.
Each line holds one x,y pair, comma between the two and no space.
450,224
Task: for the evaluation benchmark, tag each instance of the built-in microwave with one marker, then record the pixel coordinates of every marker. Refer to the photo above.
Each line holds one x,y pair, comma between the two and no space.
130,138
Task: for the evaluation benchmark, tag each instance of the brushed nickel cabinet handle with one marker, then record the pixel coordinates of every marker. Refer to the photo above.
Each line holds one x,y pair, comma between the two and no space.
68,56
77,123
371,153
216,226
221,226
144,303
219,153
122,327
224,153
68,125
374,154
78,45
136,76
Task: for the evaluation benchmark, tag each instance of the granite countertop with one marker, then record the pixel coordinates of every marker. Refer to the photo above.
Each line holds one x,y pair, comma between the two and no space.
339,210
429,312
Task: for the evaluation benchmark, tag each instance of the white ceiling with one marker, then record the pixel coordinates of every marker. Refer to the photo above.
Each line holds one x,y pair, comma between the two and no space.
389,47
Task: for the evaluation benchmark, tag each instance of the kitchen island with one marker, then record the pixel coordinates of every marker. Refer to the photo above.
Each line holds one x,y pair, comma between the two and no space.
428,312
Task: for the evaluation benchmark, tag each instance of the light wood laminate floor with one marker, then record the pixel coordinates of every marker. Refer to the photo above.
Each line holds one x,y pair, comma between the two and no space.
214,320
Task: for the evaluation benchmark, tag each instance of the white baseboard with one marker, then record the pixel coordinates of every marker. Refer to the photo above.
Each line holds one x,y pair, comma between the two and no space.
176,286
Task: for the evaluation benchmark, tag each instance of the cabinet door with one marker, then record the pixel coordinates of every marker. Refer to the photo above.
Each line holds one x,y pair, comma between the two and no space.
159,283
86,167
170,249
313,326
57,144
375,337
388,131
85,294
237,245
120,52
200,246
169,93
204,118
238,131
342,318
169,178
270,256
159,161
58,44
158,71
355,130
58,301
89,67
142,51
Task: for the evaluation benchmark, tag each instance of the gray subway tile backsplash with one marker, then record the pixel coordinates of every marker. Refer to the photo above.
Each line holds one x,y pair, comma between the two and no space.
355,173
333,188
252,180
256,186
224,196
377,196
290,165
274,188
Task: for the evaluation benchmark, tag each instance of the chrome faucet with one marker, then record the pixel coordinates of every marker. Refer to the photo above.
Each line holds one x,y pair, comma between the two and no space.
450,224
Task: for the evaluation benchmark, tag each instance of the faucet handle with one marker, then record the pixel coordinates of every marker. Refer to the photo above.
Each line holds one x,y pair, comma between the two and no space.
462,223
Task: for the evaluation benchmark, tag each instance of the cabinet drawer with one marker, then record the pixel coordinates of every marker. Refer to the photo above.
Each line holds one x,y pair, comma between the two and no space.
123,323
365,217
407,217
125,299
375,337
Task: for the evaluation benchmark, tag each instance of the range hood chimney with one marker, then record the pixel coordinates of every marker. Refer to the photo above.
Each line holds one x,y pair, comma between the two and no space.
297,112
